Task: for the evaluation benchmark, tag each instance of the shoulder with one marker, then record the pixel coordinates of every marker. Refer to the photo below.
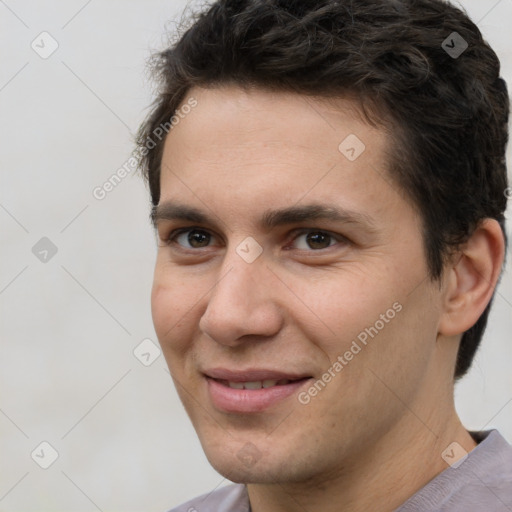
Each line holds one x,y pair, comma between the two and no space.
483,481
231,498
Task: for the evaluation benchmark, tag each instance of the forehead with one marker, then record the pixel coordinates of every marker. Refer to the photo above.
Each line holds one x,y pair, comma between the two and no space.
230,116
239,149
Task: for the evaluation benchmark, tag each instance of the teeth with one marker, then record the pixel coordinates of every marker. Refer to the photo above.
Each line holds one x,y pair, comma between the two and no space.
257,384
253,385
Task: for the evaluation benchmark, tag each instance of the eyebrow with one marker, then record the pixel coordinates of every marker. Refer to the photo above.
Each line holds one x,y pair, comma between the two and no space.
170,210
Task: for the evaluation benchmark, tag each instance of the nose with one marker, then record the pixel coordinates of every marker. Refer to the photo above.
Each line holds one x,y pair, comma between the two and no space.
242,303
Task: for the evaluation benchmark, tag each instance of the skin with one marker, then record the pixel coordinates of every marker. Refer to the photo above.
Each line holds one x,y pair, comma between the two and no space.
376,432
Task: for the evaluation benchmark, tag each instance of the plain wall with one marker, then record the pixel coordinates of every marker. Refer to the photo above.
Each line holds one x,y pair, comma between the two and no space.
68,375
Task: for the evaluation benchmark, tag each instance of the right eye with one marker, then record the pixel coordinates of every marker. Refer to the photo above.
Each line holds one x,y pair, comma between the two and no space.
190,238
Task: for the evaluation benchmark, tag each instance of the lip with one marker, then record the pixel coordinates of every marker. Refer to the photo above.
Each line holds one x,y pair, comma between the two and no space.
251,374
231,400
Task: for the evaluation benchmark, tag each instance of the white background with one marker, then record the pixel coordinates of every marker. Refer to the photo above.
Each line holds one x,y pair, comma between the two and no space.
68,375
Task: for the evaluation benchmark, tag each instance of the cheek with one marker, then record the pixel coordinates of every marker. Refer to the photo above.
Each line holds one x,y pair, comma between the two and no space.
172,308
371,322
334,312
379,354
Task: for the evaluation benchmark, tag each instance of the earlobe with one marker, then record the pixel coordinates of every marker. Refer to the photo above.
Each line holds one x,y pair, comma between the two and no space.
472,278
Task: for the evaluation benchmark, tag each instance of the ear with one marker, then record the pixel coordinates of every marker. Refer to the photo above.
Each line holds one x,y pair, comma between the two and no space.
472,278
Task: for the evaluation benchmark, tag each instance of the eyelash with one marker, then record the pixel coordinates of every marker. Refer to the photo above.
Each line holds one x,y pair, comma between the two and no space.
171,238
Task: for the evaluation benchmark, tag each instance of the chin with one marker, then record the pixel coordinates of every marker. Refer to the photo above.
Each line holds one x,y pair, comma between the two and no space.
244,463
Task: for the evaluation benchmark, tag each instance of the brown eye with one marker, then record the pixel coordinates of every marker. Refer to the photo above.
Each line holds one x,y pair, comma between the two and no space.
315,240
192,238
198,238
318,240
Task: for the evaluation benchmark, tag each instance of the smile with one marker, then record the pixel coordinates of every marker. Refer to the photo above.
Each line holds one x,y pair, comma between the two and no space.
258,384
244,393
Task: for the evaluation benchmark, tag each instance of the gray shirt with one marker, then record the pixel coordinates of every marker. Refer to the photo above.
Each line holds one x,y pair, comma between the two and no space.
482,483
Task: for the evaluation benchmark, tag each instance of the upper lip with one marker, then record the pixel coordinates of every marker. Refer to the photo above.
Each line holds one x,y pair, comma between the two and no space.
251,375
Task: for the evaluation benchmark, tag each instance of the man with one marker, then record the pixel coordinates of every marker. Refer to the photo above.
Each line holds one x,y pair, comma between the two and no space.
329,199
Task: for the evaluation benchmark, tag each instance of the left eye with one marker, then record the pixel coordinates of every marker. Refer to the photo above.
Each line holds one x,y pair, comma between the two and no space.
314,240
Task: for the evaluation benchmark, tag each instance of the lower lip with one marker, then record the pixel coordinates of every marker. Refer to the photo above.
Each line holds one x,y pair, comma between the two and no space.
250,400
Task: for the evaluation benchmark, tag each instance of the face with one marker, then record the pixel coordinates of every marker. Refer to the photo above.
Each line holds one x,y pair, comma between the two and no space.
290,295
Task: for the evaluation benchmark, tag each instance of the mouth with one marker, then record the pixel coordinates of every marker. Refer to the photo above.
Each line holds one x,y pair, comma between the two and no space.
256,384
251,391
